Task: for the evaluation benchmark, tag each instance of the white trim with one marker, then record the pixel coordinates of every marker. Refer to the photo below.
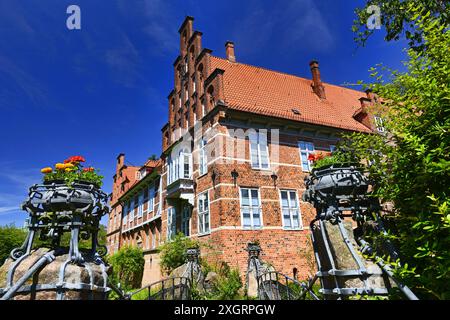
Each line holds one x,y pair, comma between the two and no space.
240,228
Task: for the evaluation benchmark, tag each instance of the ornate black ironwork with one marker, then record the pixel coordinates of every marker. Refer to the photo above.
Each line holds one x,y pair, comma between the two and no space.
339,191
56,208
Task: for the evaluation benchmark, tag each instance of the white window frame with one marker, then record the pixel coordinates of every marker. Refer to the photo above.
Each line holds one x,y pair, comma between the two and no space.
171,222
151,198
131,212
379,123
290,208
126,211
183,157
203,213
141,204
203,109
260,150
203,158
186,220
305,151
251,208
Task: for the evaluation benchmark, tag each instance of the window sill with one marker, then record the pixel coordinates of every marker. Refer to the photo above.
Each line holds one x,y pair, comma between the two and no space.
202,175
293,229
262,169
204,234
252,228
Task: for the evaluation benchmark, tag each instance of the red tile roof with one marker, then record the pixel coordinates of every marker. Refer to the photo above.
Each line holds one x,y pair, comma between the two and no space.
272,93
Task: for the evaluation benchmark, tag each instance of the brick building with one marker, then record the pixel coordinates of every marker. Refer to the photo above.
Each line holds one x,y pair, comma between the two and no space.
234,158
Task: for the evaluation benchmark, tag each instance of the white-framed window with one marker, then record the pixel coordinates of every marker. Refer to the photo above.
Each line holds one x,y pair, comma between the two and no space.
125,212
306,148
131,210
174,170
203,213
186,94
179,166
186,220
203,158
379,123
203,109
141,204
259,150
194,88
171,222
186,165
250,208
290,209
151,197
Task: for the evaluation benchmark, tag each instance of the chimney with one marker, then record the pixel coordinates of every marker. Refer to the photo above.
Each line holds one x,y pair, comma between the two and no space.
317,85
229,50
372,96
120,160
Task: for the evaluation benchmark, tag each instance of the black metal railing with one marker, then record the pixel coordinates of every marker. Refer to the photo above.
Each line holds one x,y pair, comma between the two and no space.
174,288
274,285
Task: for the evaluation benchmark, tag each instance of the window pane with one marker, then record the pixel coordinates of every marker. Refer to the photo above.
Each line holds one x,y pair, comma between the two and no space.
293,199
245,201
255,199
286,218
295,219
256,217
302,145
254,154
284,199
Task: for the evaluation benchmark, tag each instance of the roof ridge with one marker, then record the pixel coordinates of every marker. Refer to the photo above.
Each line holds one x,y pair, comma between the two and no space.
285,73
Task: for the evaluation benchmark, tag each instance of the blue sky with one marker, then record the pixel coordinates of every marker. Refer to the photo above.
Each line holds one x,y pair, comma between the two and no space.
102,90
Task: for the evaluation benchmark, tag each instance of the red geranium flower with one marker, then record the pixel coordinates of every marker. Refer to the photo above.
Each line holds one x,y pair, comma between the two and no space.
75,159
90,169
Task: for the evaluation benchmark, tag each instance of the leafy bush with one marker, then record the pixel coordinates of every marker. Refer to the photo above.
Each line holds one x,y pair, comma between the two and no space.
10,238
228,285
338,157
173,253
128,267
411,163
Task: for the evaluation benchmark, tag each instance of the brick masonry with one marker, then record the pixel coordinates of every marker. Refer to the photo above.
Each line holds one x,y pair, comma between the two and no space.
197,103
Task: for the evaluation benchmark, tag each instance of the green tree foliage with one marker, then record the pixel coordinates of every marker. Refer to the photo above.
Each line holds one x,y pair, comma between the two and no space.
397,20
411,164
10,238
173,253
128,267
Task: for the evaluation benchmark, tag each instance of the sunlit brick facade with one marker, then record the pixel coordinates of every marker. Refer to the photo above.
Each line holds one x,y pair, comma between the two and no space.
234,159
